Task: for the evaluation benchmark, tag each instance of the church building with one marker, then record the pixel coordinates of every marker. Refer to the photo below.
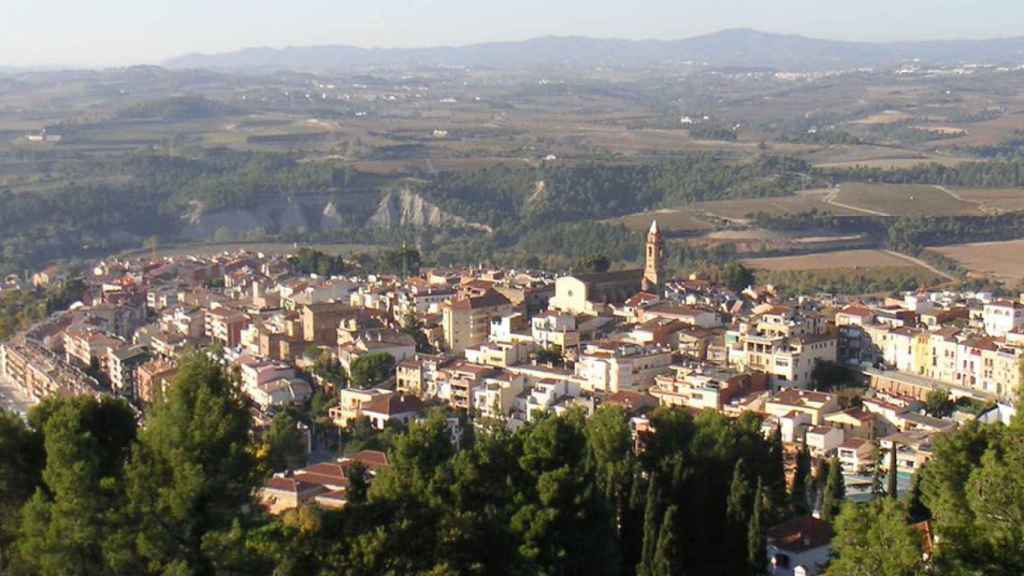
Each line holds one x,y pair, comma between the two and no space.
592,293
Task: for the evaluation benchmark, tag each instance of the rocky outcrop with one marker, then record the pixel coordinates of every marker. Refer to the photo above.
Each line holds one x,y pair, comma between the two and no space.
404,207
330,218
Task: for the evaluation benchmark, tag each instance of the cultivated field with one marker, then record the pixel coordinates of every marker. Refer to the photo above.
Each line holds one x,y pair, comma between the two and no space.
994,199
849,259
894,163
801,202
1003,260
669,220
885,117
903,200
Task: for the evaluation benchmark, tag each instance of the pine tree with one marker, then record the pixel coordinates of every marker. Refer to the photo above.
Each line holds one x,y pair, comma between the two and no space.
652,517
192,469
798,497
756,545
667,559
835,491
892,487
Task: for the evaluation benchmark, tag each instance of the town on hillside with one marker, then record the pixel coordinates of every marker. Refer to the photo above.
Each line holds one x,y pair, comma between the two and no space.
869,383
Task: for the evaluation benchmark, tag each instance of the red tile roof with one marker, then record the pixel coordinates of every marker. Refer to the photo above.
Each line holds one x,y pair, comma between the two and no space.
374,459
393,404
800,534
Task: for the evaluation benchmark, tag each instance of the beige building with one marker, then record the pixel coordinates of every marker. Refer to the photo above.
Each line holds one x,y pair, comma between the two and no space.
814,404
789,361
705,387
614,366
467,322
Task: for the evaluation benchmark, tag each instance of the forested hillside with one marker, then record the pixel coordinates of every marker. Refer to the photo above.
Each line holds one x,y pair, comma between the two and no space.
84,490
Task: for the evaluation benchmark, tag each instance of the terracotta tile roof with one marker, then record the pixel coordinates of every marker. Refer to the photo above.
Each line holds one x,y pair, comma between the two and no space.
292,485
374,459
393,404
860,311
488,300
326,480
853,443
800,534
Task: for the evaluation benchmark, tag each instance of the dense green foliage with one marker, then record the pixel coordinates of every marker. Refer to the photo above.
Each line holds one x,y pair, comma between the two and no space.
834,491
994,174
910,234
20,309
563,495
175,108
824,137
88,494
875,538
506,196
848,280
371,370
975,492
307,261
972,494
285,443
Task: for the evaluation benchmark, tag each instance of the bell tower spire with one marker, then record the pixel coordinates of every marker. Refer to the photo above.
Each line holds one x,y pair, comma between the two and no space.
654,267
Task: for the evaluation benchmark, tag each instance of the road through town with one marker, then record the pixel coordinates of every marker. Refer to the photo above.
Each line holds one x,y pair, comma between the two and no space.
12,398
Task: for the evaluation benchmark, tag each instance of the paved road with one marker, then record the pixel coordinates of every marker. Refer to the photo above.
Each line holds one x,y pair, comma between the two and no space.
12,398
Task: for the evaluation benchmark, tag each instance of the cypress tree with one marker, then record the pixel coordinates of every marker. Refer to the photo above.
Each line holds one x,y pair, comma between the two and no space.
818,486
916,509
756,545
632,530
667,560
737,517
651,521
798,497
835,491
739,494
893,484
776,482
877,489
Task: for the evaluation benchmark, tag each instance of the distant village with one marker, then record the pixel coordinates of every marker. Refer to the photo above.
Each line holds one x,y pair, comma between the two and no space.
848,378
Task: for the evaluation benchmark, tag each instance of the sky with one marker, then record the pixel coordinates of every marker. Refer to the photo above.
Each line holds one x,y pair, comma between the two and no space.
124,32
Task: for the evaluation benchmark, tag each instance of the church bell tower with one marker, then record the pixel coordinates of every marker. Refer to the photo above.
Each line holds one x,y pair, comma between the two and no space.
654,267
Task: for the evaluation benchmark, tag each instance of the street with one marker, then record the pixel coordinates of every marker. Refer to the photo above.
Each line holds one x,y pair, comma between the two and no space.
12,398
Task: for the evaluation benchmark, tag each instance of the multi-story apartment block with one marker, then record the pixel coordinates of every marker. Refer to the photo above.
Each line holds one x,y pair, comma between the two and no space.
40,373
706,387
1002,316
556,331
611,366
225,325
153,379
789,361
418,375
124,365
467,322
814,404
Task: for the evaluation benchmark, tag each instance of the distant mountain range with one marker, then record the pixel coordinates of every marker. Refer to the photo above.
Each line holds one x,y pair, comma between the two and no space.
737,47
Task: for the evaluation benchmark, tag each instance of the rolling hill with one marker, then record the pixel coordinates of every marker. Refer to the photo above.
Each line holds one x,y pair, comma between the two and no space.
736,47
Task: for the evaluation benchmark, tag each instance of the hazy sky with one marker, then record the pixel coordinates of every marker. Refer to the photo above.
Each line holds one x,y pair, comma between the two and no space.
115,32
